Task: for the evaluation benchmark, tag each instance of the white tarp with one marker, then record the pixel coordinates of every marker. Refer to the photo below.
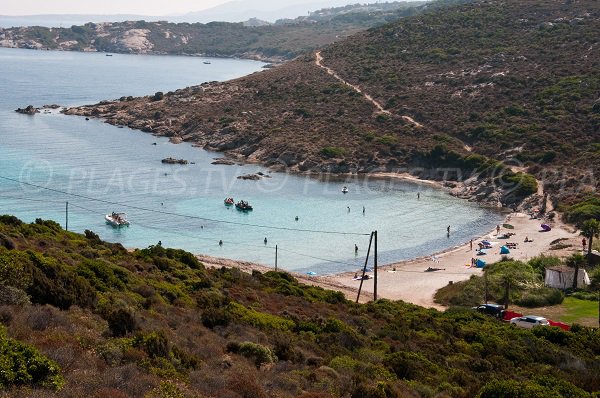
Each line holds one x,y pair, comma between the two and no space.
562,278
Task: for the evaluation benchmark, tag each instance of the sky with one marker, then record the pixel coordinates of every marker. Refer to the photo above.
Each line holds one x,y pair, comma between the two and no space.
140,7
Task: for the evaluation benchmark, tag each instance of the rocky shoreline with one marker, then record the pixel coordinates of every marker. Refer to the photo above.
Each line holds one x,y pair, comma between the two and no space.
474,188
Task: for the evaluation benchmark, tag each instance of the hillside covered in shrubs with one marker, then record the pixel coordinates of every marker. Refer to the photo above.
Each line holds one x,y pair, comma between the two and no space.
467,87
90,318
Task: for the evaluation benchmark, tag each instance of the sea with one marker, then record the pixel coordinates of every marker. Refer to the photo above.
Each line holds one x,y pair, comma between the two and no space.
303,224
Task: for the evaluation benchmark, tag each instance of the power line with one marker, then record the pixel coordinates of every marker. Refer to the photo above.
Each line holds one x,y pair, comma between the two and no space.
183,215
32,200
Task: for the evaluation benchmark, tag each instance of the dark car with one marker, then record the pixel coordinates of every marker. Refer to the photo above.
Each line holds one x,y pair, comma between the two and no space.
495,310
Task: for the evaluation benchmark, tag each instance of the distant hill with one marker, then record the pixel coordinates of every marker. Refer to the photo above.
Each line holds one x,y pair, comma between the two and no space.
68,20
252,39
236,11
514,81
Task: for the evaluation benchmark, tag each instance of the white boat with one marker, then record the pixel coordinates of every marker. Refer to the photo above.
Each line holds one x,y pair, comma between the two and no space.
117,219
345,190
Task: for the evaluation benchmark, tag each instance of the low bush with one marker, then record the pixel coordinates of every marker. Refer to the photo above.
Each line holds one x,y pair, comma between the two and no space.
21,364
541,297
259,353
333,152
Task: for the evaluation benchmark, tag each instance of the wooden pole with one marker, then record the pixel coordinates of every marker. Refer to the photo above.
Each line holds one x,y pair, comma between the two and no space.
375,267
275,257
67,216
362,278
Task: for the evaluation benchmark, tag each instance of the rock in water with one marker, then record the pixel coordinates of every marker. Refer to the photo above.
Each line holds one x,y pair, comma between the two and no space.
174,161
29,110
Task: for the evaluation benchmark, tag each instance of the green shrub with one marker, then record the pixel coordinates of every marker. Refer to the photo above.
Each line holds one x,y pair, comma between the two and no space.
584,210
260,320
523,184
23,365
10,220
541,297
333,152
258,352
121,321
213,317
53,283
540,263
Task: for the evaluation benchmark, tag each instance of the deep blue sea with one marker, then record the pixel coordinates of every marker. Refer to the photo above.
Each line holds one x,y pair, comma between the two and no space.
182,206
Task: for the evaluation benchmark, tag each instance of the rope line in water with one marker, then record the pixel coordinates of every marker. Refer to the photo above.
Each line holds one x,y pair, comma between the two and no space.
183,215
228,242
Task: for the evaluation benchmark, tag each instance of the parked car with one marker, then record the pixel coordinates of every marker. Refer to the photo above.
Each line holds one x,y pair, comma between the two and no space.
529,321
495,310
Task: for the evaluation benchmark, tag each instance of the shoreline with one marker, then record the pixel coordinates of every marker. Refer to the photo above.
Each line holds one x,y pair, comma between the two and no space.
408,280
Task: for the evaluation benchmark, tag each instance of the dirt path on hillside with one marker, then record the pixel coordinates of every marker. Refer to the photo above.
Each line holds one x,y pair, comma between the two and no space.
319,63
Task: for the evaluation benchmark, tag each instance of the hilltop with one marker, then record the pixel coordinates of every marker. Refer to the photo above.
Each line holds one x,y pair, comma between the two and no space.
89,318
253,39
465,87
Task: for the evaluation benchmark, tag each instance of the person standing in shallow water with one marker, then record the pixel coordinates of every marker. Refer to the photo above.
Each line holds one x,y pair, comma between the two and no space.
355,249
448,230
418,195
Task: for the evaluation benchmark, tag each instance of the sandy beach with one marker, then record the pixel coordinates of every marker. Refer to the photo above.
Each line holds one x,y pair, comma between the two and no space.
411,283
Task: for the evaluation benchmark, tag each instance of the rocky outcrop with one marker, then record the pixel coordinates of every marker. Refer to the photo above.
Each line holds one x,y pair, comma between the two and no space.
29,110
223,161
174,161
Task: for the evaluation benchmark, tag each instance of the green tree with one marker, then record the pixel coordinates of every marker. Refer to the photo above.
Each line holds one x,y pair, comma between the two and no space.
590,229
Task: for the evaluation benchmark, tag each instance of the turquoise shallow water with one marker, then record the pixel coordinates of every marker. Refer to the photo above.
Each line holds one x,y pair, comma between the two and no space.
93,159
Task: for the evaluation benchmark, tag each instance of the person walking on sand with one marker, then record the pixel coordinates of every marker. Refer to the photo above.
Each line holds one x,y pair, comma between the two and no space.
498,229
471,244
584,243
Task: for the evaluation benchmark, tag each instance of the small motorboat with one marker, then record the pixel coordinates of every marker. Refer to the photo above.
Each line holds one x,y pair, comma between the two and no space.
242,205
345,190
117,219
229,202
206,62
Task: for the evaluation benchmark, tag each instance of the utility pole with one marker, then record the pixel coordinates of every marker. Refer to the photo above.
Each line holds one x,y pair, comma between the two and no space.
362,278
275,257
375,268
67,216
